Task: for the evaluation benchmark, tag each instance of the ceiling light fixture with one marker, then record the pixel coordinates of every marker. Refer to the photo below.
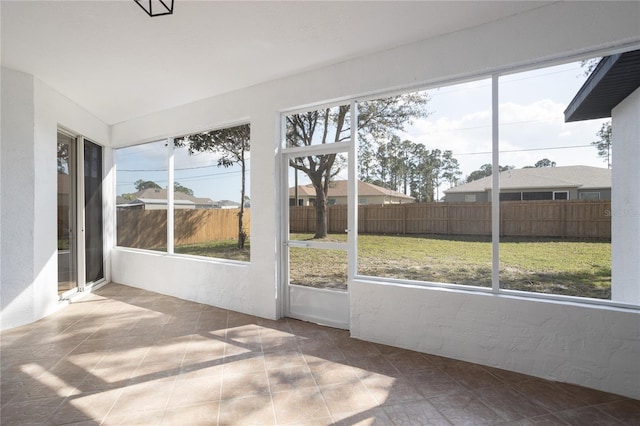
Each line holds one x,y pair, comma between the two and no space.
156,7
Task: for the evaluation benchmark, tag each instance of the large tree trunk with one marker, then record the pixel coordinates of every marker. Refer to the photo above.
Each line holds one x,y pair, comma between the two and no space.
321,211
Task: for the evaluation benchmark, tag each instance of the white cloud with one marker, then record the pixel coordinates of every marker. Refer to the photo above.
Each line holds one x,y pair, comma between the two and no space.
530,131
542,111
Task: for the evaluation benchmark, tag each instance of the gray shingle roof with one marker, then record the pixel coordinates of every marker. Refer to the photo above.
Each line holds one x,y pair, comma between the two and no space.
582,177
338,188
161,194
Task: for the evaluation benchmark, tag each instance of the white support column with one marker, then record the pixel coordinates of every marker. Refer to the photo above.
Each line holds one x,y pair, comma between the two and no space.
170,197
109,209
352,199
625,201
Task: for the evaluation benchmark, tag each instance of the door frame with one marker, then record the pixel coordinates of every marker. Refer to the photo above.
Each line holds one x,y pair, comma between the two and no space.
72,163
322,306
80,213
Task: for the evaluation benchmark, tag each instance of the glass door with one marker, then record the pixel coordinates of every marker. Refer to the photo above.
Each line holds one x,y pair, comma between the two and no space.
80,214
93,238
318,222
67,278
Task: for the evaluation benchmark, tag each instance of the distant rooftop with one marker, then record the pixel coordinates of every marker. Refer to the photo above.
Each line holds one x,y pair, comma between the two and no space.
583,177
148,196
338,188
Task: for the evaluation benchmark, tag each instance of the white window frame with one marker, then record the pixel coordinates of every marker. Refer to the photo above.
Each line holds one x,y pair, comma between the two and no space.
495,188
170,251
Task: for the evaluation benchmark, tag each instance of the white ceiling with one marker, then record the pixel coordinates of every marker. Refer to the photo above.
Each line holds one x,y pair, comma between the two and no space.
119,64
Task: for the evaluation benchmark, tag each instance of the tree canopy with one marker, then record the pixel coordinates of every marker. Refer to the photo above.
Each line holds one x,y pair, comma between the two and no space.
231,144
484,171
603,144
179,188
142,184
545,162
409,168
63,158
377,122
588,65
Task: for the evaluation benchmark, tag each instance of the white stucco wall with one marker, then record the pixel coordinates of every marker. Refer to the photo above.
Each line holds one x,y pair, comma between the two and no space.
18,187
31,114
625,202
588,345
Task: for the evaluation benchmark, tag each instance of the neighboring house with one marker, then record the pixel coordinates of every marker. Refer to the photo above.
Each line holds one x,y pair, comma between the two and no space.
156,199
368,193
120,200
539,183
226,204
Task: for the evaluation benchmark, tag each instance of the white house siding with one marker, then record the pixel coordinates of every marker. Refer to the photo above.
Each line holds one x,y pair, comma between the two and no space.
537,337
625,204
367,199
477,197
603,193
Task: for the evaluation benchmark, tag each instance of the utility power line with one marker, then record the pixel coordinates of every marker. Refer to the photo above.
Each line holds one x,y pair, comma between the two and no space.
524,149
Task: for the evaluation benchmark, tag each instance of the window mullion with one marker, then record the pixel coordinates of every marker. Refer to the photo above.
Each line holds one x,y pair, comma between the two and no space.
352,198
170,196
495,185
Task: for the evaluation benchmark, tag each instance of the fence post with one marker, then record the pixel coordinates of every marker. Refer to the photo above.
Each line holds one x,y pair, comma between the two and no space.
563,217
448,219
404,218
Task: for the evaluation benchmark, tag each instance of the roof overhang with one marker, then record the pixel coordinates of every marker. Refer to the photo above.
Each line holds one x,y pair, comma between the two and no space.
613,79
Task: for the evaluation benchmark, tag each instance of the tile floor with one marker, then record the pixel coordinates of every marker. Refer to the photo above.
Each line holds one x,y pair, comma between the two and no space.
125,356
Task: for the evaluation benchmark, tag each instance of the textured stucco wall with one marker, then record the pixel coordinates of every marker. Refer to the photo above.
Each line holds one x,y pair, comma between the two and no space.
18,186
592,346
31,114
625,203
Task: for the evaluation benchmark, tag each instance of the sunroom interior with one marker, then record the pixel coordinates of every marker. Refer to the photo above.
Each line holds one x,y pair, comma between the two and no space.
105,77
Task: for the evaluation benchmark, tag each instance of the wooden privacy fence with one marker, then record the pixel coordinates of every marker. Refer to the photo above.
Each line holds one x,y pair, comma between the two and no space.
564,219
148,228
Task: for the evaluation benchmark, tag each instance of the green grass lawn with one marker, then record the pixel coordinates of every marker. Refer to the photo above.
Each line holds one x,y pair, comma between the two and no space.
577,268
221,249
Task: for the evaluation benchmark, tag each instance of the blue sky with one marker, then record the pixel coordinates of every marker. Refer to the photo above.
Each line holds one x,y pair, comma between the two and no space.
532,127
199,172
